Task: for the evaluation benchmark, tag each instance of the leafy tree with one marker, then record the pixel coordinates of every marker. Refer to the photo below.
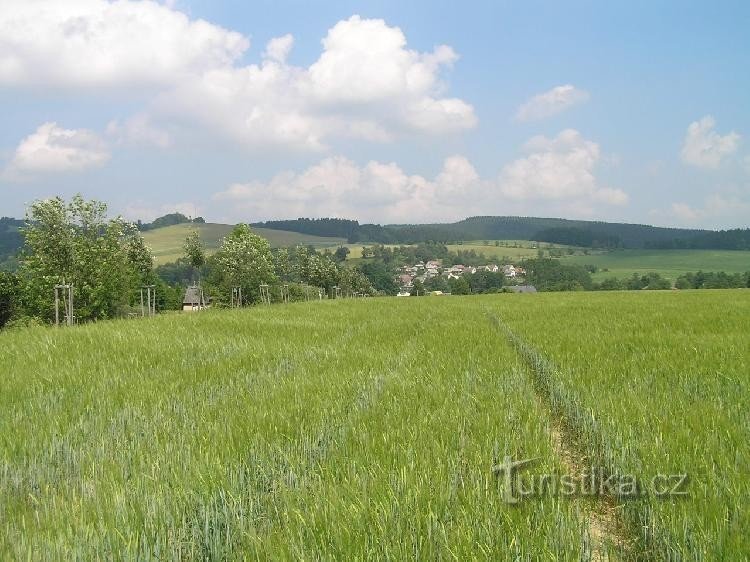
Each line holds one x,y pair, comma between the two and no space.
341,253
76,243
352,280
139,256
321,271
195,254
283,264
9,295
245,261
459,286
417,289
380,277
548,274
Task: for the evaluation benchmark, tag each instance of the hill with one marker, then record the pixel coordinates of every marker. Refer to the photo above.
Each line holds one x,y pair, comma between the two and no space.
667,263
166,242
561,231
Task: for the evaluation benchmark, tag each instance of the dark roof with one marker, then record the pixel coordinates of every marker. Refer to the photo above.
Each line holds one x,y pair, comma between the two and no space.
522,288
192,296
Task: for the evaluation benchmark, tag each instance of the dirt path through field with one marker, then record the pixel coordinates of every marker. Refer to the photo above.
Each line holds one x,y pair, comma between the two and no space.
607,538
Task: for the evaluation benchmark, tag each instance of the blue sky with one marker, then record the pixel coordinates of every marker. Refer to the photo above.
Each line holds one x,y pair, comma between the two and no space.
380,111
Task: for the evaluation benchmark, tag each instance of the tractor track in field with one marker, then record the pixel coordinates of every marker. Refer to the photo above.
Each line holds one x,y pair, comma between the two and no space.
608,537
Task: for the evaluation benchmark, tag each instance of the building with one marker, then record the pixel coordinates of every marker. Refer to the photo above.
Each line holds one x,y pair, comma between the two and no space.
194,299
522,288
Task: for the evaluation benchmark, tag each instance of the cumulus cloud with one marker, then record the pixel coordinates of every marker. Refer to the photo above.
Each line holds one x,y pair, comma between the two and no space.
54,149
704,147
728,209
561,168
140,210
83,43
552,102
557,174
139,130
278,48
334,187
365,84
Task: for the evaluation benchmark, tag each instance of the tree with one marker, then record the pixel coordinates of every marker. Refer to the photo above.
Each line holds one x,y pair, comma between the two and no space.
245,261
321,272
380,277
195,254
283,264
75,243
459,286
341,253
9,293
417,289
140,257
352,280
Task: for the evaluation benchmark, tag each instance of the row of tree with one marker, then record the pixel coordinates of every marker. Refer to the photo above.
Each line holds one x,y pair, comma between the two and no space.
107,262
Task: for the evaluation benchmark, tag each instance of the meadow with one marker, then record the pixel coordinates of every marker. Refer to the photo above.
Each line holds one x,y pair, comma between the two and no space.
166,243
667,263
369,428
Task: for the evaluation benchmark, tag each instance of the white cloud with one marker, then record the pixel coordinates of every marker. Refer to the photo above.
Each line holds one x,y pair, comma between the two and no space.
561,168
138,130
334,187
719,210
279,48
704,147
552,102
145,212
84,43
557,175
54,149
365,84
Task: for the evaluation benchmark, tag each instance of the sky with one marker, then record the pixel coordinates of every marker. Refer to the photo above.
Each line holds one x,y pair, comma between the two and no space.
383,111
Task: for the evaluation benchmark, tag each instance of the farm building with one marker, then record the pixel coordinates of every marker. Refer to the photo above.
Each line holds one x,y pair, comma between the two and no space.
194,299
522,288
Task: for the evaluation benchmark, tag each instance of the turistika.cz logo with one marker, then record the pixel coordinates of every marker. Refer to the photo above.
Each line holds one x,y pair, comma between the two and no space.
519,483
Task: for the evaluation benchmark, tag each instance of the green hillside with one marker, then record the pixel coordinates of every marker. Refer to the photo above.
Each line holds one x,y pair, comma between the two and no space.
668,263
166,243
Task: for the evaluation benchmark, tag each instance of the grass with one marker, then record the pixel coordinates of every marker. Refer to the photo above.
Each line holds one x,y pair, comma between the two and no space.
331,430
166,243
367,429
655,383
668,263
507,251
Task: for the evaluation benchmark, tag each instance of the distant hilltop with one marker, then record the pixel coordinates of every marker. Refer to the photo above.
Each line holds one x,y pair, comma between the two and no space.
561,231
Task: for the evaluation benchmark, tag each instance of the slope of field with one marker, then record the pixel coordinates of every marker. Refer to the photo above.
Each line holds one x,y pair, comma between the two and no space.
505,250
668,263
331,430
368,429
655,385
508,251
166,243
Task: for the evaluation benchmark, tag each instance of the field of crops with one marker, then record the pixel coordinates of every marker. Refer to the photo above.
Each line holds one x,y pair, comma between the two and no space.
369,428
166,243
667,263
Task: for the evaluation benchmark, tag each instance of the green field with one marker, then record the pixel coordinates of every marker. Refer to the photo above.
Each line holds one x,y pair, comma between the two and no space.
513,250
668,263
166,243
508,251
368,429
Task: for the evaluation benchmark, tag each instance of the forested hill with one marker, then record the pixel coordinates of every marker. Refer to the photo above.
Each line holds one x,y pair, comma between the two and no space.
562,231
11,238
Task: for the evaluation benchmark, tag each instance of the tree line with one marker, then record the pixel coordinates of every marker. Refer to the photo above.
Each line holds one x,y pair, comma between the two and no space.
107,262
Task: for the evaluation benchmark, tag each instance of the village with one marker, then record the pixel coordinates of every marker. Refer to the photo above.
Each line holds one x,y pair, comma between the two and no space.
423,272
